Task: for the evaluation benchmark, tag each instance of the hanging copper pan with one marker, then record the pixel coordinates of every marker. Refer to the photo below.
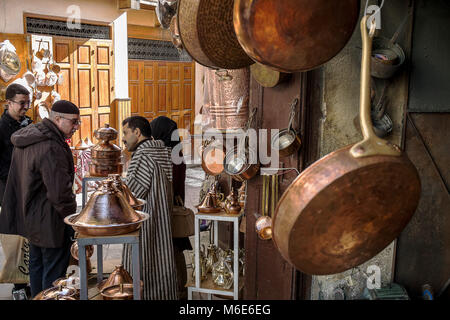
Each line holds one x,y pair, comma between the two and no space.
348,206
294,36
207,33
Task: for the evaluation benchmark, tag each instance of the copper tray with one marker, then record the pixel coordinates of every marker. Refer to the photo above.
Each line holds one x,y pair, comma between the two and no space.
106,230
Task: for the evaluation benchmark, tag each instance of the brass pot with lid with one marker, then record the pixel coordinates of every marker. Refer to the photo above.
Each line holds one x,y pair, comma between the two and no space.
135,203
107,213
105,156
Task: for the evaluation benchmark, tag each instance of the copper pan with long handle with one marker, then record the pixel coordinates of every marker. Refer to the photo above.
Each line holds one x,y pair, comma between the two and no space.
294,35
348,206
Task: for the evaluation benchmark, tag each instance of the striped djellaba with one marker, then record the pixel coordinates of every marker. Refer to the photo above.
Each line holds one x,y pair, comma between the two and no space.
148,180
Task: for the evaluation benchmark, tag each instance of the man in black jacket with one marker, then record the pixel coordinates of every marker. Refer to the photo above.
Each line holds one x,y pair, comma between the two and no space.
39,194
13,119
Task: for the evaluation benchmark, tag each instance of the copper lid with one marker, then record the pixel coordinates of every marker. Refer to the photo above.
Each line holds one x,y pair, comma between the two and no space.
117,277
119,184
107,206
81,145
107,213
106,133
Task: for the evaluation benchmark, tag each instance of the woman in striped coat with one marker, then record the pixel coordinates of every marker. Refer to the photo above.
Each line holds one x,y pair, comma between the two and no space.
149,180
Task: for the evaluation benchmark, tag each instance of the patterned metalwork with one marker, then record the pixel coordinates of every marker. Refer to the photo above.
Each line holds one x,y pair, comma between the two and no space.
144,49
60,28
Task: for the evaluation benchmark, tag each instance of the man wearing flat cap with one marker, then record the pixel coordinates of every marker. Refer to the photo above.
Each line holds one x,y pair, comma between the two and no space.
39,194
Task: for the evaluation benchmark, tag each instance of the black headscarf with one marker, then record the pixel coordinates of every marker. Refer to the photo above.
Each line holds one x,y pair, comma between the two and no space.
162,129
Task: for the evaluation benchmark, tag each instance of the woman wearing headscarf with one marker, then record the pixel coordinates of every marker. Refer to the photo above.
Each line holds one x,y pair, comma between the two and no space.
162,129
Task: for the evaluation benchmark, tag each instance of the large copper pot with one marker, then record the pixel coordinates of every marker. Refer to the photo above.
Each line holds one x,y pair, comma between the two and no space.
105,156
348,206
107,213
207,33
294,36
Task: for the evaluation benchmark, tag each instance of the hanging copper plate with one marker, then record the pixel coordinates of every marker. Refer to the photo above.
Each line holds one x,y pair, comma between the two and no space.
294,36
207,33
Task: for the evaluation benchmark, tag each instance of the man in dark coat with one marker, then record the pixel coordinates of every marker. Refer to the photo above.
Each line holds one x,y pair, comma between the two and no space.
13,119
39,194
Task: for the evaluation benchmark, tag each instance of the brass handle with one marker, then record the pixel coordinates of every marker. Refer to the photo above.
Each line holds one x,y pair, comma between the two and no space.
371,145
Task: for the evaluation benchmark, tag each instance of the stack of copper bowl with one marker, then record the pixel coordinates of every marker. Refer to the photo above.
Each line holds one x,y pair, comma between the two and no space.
105,156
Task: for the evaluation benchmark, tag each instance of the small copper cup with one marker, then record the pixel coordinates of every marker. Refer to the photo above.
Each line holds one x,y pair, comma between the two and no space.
263,227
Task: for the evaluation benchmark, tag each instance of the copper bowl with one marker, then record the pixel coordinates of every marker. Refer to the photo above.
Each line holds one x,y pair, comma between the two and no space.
106,230
118,292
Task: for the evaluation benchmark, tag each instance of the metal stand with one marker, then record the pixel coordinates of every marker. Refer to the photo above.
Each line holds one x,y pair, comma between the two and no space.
216,218
83,241
131,238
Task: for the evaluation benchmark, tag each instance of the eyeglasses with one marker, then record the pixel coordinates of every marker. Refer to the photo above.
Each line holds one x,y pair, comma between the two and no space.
22,103
74,121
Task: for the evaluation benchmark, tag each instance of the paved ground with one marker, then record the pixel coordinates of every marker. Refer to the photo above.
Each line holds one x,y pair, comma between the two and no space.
112,253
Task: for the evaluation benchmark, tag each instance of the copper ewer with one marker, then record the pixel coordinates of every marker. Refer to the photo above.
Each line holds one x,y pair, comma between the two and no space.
135,203
107,213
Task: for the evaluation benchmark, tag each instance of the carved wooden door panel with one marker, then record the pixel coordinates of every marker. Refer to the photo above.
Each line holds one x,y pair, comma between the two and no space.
159,88
87,68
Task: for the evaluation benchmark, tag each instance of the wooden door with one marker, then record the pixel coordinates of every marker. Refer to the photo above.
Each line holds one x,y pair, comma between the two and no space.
87,67
160,88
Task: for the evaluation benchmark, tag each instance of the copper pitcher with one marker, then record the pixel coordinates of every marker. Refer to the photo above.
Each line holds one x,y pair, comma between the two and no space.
107,213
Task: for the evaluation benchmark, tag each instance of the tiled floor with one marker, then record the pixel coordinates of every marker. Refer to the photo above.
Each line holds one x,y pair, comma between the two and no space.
112,253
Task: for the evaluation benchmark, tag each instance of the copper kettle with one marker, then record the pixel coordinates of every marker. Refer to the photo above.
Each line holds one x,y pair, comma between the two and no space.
107,213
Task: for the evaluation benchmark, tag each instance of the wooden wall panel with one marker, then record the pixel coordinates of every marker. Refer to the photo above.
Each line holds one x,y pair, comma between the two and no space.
162,88
104,86
84,88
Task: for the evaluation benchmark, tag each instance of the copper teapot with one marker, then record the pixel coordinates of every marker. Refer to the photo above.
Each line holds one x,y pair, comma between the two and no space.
231,205
107,213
